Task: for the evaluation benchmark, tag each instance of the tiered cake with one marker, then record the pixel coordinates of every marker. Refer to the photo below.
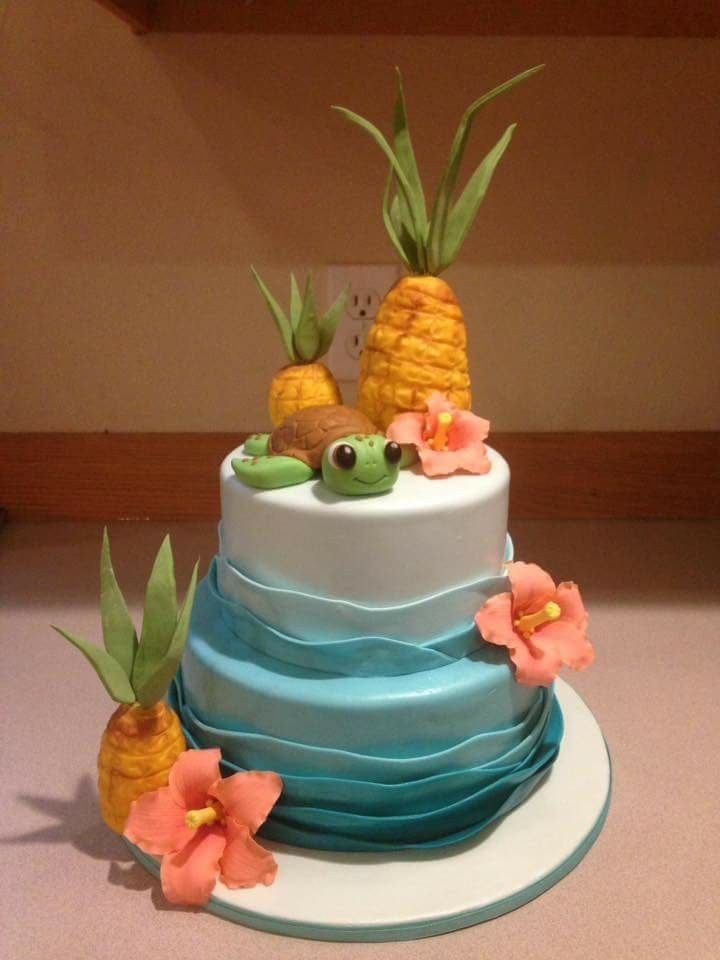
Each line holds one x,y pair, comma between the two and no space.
333,642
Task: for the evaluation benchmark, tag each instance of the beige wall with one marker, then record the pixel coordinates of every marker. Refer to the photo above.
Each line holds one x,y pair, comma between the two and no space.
142,176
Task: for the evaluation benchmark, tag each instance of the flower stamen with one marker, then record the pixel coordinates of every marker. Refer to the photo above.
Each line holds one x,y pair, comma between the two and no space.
203,817
439,441
528,623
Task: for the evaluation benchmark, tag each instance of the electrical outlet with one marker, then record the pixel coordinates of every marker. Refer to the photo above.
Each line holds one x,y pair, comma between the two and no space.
368,285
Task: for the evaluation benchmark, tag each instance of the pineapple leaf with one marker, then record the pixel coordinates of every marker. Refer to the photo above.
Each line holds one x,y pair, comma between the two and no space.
119,633
329,322
464,211
110,672
295,302
410,196
306,336
406,158
393,227
281,321
154,685
402,229
159,617
443,198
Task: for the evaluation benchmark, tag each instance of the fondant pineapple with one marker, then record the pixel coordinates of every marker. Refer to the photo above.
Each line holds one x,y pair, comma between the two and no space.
306,336
143,737
417,343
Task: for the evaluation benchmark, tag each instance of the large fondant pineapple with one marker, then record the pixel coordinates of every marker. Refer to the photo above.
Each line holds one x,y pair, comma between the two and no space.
418,341
306,336
143,737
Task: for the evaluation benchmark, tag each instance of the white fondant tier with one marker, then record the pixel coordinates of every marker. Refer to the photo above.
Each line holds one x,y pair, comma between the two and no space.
424,537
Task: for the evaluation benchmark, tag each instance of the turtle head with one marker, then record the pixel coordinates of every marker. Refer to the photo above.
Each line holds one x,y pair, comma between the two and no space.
360,464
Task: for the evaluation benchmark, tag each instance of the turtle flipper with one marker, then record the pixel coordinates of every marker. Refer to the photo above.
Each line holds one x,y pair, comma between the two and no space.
257,444
270,472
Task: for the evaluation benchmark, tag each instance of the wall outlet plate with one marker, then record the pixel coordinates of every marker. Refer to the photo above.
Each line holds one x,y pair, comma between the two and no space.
368,285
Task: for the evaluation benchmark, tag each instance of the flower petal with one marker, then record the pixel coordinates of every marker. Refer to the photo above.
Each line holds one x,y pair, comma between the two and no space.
189,875
406,428
532,587
571,604
534,666
473,459
437,403
192,775
566,642
437,463
494,620
467,430
245,863
156,823
248,797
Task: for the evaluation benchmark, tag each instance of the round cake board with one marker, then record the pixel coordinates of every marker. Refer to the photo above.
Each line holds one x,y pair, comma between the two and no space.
406,895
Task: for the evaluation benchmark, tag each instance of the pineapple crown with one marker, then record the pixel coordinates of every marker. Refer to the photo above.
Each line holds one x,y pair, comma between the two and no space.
306,335
133,672
428,245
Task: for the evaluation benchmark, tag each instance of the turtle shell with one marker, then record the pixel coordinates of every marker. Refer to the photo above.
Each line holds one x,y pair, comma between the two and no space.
305,434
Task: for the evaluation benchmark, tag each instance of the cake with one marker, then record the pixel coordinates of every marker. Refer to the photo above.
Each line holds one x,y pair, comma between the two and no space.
367,670
333,642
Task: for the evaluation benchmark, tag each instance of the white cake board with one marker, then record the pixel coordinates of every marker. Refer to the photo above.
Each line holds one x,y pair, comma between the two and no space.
411,894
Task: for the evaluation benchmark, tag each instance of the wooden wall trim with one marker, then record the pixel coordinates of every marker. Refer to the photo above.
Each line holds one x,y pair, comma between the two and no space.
643,18
138,14
175,475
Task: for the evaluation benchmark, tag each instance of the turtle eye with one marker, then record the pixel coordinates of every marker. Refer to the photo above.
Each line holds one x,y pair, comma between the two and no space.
393,452
343,456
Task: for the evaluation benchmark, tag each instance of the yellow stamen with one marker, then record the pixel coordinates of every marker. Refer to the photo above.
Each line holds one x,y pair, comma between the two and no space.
440,440
528,623
201,818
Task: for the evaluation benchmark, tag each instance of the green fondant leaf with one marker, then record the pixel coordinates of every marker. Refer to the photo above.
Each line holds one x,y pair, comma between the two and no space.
119,633
393,227
111,674
267,473
295,302
443,198
283,324
413,201
398,215
159,617
306,336
406,158
154,686
464,211
330,321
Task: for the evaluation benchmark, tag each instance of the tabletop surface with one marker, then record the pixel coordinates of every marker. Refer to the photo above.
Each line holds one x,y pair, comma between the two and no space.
648,888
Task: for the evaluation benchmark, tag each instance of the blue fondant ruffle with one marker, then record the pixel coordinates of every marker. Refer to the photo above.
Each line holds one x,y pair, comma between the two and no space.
360,656
307,616
340,800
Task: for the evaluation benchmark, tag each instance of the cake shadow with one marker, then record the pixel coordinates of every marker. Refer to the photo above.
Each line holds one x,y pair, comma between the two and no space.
77,821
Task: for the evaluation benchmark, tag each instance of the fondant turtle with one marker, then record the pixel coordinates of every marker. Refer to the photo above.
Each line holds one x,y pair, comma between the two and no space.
354,458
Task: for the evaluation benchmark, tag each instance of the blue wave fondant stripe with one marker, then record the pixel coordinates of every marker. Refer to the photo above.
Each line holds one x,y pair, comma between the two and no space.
360,656
307,616
352,813
250,749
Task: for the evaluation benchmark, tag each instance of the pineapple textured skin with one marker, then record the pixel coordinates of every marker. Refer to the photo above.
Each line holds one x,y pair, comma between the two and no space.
417,344
138,748
301,385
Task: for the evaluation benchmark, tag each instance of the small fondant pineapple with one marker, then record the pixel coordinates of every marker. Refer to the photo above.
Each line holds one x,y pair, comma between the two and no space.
306,336
417,344
143,737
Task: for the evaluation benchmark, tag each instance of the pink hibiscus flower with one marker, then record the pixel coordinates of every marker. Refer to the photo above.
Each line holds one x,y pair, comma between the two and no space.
203,827
543,626
447,439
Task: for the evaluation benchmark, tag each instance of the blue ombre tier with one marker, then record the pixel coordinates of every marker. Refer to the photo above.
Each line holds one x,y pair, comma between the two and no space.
383,742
